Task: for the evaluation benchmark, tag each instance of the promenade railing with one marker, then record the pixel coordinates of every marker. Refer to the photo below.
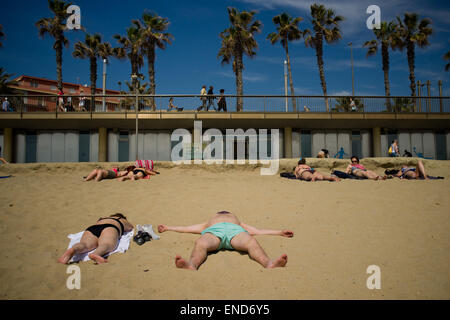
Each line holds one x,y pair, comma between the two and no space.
247,103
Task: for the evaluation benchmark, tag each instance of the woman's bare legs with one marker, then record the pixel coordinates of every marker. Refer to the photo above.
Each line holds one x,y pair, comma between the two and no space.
87,243
206,243
420,170
247,243
106,243
91,175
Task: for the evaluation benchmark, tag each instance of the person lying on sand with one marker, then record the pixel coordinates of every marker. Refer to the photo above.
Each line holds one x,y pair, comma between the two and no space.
305,172
412,173
103,237
359,170
224,231
134,173
100,174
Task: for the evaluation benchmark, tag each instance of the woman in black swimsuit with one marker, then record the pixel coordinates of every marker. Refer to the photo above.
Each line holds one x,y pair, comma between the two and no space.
137,173
103,237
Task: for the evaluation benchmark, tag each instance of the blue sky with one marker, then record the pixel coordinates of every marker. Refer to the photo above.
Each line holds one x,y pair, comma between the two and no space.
191,60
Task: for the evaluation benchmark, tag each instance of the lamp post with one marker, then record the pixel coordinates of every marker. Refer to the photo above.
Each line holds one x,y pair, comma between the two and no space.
134,79
104,84
285,84
353,73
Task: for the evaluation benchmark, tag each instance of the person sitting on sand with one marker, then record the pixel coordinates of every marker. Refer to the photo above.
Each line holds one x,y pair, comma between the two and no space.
134,173
103,237
412,173
358,170
304,172
100,174
224,231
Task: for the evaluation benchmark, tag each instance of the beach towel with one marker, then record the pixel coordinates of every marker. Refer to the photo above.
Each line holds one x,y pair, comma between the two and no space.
123,245
147,164
4,177
344,175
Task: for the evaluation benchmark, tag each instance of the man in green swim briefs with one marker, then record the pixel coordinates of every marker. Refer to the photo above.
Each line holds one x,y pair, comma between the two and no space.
224,231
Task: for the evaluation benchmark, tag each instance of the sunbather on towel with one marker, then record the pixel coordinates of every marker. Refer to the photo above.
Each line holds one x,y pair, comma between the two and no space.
224,231
134,173
100,174
305,172
103,237
358,170
412,173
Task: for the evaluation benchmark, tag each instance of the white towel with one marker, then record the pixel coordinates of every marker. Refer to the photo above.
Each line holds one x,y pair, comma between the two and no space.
124,244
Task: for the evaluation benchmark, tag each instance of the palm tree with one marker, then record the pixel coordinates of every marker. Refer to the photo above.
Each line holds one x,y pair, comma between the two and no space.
131,48
287,30
92,48
238,40
55,27
385,37
446,58
413,32
325,27
343,103
153,36
5,82
2,34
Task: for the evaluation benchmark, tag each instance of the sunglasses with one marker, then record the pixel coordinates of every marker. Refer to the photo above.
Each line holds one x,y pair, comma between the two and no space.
354,161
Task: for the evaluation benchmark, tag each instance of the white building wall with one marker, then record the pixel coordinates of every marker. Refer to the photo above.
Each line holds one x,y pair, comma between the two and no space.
417,143
113,146
404,141
331,142
93,147
448,145
317,141
20,147
366,143
384,145
429,145
296,144
44,147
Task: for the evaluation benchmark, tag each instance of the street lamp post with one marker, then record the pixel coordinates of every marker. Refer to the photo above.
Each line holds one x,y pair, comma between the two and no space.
104,84
285,84
353,73
134,78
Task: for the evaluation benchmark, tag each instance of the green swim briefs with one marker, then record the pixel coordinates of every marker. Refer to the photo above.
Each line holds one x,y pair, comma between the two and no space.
225,231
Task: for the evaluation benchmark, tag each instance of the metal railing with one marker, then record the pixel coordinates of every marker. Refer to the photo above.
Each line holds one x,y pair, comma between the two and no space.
247,103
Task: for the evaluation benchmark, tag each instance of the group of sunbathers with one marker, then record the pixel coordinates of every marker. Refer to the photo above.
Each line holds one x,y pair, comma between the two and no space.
304,172
129,173
222,231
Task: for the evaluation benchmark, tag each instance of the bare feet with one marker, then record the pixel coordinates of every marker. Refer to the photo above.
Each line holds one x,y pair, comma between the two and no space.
280,262
65,258
98,259
183,264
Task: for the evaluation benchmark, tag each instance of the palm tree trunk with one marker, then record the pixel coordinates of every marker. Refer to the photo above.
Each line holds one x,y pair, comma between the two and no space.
151,74
239,83
59,59
385,61
93,76
412,78
291,84
319,54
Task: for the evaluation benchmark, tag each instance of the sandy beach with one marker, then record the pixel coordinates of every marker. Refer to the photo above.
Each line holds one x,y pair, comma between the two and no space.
340,229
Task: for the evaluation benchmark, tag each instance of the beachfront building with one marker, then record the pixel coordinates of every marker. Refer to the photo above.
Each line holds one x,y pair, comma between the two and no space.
48,135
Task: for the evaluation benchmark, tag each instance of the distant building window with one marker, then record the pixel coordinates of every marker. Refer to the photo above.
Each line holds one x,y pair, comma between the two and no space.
53,87
72,91
34,84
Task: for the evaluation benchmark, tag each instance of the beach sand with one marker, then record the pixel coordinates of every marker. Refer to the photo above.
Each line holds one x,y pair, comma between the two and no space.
341,228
